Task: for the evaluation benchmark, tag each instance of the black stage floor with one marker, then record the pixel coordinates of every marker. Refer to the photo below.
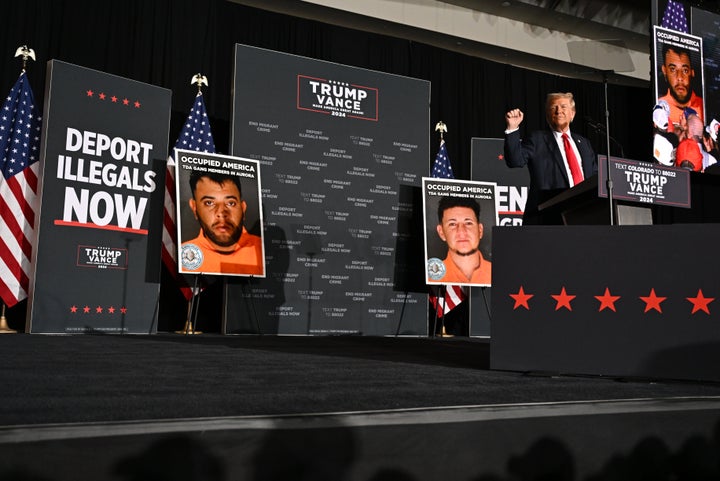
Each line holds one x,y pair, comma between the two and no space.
178,407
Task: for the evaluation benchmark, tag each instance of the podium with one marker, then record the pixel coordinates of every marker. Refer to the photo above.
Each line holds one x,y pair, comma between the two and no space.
581,205
695,199
620,301
629,301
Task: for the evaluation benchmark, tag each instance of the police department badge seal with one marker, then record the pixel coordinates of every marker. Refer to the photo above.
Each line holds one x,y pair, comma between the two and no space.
191,257
435,269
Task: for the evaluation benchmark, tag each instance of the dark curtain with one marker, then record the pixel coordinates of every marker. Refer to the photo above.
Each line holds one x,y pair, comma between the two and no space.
166,42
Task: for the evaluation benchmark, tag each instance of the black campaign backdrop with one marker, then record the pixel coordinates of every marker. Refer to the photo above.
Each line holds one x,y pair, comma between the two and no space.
488,165
341,150
470,94
104,148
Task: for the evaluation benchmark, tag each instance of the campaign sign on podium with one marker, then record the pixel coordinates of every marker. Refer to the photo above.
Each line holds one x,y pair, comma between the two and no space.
104,150
644,182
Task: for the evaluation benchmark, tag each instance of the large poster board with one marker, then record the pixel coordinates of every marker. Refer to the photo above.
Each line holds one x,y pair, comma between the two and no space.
104,148
488,164
343,151
219,215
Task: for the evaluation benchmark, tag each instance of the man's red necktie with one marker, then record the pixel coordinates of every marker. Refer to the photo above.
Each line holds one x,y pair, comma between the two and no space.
577,174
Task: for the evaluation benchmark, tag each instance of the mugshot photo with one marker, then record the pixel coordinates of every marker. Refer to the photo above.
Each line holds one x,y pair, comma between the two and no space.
219,215
679,75
459,217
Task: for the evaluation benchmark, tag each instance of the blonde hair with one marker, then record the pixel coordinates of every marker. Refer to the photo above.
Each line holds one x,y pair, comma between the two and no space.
560,95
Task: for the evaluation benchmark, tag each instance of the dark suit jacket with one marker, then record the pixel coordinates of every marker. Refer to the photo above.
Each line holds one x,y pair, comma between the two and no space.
541,153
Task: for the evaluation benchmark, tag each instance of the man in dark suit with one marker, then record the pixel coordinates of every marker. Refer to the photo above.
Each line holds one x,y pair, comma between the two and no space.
557,159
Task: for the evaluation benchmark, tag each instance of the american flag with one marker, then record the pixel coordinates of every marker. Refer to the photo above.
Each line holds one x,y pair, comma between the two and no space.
446,298
453,295
674,17
442,168
195,135
20,148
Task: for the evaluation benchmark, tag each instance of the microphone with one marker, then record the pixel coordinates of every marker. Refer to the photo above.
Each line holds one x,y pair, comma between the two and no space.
600,128
595,125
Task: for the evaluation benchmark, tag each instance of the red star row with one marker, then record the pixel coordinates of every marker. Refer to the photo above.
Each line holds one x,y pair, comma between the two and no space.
114,99
97,310
607,301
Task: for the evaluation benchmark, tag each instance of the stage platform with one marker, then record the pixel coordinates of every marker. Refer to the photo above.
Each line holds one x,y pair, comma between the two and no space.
179,407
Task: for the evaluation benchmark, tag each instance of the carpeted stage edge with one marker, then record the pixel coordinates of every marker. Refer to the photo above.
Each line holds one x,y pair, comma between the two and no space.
333,408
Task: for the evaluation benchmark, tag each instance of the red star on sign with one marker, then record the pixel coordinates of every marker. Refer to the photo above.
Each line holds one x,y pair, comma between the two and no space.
563,300
114,99
521,299
123,310
73,309
90,93
101,96
111,310
137,104
607,300
86,309
700,302
653,301
99,309
126,102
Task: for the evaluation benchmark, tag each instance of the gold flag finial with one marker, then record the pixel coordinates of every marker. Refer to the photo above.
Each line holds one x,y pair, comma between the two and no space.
199,80
26,54
441,127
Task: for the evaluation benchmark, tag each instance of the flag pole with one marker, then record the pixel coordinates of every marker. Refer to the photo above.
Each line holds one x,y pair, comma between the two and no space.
442,128
189,328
